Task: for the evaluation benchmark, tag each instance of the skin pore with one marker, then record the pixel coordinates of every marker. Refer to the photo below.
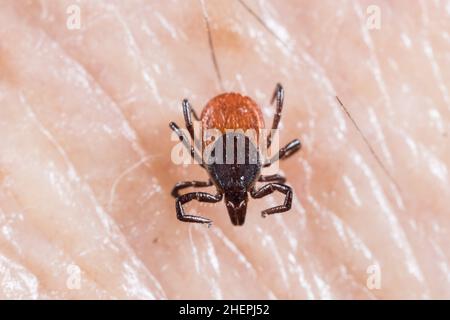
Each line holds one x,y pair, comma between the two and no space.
86,173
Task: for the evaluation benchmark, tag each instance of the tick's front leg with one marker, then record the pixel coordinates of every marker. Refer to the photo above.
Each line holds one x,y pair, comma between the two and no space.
199,196
278,94
269,189
285,152
188,112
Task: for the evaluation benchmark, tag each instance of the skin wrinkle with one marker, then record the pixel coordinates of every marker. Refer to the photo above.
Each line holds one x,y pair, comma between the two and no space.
6,229
112,229
422,153
428,49
130,37
234,249
322,287
352,190
87,278
377,73
308,59
124,174
194,250
380,137
133,137
140,151
137,53
345,231
356,281
203,268
294,264
301,238
241,257
309,198
30,113
213,261
11,288
268,241
445,268
5,261
435,165
399,235
290,238
308,263
300,271
104,218
28,266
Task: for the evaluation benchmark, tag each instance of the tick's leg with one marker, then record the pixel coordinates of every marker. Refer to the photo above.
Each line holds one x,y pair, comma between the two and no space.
199,196
186,142
188,112
276,178
186,184
285,152
291,148
278,94
271,188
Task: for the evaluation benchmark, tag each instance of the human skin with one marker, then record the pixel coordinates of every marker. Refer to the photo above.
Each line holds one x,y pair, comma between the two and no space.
85,149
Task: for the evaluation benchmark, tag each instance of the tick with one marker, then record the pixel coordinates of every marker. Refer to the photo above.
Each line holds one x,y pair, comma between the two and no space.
234,180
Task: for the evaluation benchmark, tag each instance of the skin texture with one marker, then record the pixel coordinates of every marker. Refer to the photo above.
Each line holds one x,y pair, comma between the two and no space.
85,149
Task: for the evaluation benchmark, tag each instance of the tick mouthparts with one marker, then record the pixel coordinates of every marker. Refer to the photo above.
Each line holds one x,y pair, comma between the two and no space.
237,218
237,210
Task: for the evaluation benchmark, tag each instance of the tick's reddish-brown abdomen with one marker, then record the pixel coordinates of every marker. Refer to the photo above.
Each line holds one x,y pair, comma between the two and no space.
232,111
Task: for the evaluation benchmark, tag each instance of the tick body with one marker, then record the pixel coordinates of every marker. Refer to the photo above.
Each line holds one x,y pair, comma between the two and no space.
234,179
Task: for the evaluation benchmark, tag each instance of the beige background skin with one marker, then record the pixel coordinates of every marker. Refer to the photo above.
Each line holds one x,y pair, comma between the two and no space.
85,169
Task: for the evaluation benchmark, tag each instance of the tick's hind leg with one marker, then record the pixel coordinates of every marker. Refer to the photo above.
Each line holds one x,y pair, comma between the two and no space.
186,184
199,196
269,189
278,94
